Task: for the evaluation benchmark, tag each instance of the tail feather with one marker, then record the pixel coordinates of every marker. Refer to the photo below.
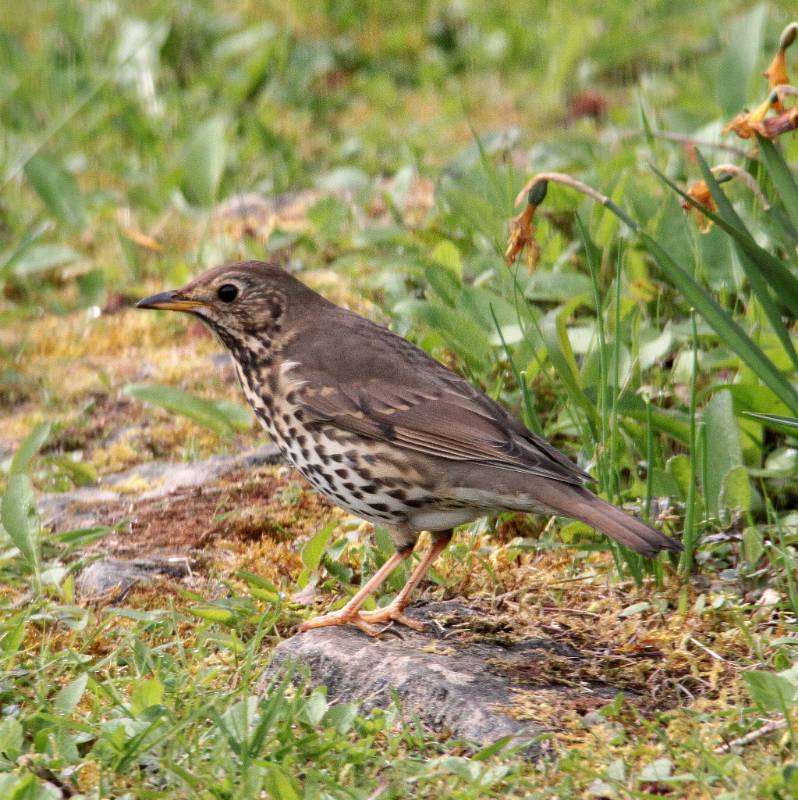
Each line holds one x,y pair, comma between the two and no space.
618,525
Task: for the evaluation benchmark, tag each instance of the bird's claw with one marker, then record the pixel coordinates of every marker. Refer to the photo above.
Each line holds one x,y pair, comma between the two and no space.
390,614
368,621
340,618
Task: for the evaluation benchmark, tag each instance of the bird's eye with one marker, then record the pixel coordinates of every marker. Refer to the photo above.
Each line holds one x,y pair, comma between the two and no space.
227,292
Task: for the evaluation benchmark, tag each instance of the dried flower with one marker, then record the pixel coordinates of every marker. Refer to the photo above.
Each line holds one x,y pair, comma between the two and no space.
776,73
522,234
699,191
522,231
773,127
747,124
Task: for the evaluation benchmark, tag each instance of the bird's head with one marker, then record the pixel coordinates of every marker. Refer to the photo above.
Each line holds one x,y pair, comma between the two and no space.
238,301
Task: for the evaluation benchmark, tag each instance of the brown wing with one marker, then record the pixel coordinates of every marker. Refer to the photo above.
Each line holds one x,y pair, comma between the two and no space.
385,388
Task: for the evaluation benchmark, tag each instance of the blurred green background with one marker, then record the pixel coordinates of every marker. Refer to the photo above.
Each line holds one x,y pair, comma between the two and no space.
375,149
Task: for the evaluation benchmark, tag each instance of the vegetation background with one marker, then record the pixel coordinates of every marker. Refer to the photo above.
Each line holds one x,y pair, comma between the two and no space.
375,149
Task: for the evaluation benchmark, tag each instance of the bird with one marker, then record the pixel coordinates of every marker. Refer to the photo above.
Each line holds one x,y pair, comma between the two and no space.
382,429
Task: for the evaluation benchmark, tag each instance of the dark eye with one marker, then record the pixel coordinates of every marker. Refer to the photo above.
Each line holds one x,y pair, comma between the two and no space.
227,292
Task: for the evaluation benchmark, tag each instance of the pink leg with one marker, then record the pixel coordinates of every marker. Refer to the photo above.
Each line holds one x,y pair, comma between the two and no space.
394,611
351,611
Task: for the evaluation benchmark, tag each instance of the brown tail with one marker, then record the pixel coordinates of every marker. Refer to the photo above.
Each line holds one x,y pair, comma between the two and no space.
630,531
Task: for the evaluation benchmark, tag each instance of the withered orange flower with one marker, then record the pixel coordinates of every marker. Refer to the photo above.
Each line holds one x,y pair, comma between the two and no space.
747,124
776,73
699,191
773,127
522,231
522,234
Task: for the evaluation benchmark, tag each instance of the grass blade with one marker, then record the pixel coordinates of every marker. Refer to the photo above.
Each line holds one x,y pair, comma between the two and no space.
20,520
204,162
781,175
56,189
782,281
755,275
215,416
724,325
28,449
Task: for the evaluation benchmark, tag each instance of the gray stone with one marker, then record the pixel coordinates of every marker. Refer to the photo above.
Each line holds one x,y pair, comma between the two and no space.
109,580
447,676
77,509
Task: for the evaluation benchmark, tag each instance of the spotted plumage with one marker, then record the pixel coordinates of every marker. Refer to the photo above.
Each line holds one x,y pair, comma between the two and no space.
382,429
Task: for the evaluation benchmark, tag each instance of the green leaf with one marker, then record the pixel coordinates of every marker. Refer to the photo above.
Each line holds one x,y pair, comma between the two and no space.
384,542
448,256
735,490
678,468
82,536
555,287
444,283
222,417
260,587
204,162
738,58
555,336
724,324
239,417
146,694
277,783
11,738
238,721
20,519
659,770
57,189
29,447
314,709
69,696
79,472
253,579
341,716
663,484
771,691
42,258
634,609
313,551
10,257
753,545
723,446
781,175
213,613
14,636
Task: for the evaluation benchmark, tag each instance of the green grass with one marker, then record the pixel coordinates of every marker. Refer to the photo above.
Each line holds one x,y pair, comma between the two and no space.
647,350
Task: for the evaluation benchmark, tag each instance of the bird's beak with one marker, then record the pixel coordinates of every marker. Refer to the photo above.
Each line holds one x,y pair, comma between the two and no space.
169,301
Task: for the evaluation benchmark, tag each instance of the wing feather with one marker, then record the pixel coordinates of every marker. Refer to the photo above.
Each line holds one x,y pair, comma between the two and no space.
383,387
447,425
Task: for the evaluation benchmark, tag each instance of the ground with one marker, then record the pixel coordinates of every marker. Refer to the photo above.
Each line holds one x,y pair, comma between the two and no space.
375,151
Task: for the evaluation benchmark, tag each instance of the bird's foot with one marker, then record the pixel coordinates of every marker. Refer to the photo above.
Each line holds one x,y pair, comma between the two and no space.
368,621
393,612
341,617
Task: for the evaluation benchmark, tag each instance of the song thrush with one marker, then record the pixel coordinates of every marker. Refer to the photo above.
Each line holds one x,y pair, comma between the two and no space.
382,429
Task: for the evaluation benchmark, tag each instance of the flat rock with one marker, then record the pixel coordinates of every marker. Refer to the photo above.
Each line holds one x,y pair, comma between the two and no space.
79,508
110,580
164,489
453,680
